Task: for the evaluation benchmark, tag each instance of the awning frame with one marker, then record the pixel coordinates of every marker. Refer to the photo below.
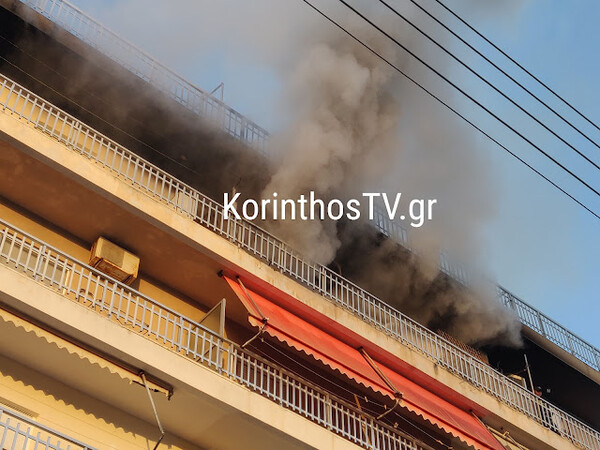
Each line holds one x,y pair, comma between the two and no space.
308,336
84,351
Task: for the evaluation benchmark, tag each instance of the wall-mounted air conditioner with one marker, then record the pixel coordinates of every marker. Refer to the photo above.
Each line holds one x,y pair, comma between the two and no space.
114,261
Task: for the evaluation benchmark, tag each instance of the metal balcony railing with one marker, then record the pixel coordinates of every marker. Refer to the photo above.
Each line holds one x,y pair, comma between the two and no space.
164,188
18,432
149,69
527,314
116,301
551,330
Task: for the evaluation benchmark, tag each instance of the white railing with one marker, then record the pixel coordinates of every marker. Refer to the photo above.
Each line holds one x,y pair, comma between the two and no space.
527,314
18,432
150,70
551,330
189,202
116,301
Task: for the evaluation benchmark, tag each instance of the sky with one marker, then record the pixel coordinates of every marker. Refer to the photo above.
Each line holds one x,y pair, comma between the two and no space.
539,244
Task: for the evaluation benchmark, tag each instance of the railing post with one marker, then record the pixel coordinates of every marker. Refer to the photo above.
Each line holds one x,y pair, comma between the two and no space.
541,323
219,356
570,343
281,389
233,362
40,261
112,303
180,338
328,412
370,434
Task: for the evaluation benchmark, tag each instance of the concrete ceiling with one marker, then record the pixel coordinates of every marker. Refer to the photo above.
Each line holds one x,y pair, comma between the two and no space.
85,215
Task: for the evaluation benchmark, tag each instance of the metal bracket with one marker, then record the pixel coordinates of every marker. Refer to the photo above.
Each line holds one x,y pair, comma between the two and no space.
220,87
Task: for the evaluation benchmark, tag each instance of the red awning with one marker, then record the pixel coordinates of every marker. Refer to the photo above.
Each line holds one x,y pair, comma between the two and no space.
305,337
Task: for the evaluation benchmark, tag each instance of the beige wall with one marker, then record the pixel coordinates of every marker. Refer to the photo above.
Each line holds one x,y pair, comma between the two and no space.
76,414
207,245
206,408
80,250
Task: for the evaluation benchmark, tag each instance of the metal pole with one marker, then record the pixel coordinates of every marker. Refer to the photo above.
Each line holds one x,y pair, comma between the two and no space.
529,373
160,427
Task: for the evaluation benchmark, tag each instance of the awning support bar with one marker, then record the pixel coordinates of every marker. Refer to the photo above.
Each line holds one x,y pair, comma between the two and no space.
386,380
264,319
260,332
160,427
262,316
495,433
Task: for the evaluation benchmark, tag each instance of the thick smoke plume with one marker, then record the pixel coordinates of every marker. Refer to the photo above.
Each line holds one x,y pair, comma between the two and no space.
419,290
345,120
355,127
351,125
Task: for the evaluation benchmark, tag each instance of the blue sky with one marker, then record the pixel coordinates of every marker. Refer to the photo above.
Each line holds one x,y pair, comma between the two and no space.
546,247
542,246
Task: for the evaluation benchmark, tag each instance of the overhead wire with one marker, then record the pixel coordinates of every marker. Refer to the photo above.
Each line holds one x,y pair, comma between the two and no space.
469,96
506,74
314,372
83,108
414,81
495,88
448,106
515,62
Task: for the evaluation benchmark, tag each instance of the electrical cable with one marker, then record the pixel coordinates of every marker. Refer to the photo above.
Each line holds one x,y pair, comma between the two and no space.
573,198
398,415
481,35
495,88
328,380
52,69
506,74
339,386
448,106
466,94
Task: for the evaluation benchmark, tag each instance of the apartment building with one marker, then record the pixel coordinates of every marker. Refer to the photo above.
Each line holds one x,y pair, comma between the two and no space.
133,315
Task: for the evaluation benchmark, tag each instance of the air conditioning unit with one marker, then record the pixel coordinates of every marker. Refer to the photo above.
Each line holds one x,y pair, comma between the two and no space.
114,261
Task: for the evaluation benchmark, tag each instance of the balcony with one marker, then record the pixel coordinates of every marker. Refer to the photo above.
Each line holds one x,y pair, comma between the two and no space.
189,203
20,432
149,69
233,123
236,125
131,309
527,314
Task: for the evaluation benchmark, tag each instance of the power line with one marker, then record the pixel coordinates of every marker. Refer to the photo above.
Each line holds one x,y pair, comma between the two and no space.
466,94
87,110
314,372
448,106
469,96
490,84
464,22
556,113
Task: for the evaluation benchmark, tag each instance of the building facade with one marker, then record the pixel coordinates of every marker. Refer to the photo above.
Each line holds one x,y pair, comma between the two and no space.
134,315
